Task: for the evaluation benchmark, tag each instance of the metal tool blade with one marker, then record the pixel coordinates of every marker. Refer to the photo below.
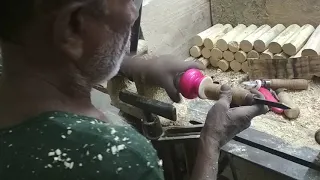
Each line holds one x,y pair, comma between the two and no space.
270,103
249,84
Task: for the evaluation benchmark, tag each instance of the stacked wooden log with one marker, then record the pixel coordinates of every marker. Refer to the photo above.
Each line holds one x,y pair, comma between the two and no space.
230,48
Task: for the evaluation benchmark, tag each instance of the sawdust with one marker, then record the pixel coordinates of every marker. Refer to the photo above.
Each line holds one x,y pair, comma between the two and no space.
298,133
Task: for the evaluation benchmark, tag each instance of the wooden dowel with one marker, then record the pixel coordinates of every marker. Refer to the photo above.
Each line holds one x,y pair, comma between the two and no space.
240,96
285,98
195,51
223,65
240,56
253,54
317,136
228,55
235,66
210,41
222,43
204,61
262,43
247,44
234,45
245,67
214,61
276,45
290,84
216,53
199,38
296,42
312,48
206,53
266,55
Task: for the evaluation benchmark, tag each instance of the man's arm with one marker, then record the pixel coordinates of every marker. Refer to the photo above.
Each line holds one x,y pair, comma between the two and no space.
221,125
206,166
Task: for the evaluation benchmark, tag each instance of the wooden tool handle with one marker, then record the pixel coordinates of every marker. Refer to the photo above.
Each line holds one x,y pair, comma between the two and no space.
292,84
239,96
317,136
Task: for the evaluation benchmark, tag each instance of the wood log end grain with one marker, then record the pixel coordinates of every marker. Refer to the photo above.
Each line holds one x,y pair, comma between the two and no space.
195,51
253,54
240,56
206,53
233,46
259,46
246,45
275,47
223,65
216,53
208,43
222,45
309,52
289,49
197,40
228,55
235,66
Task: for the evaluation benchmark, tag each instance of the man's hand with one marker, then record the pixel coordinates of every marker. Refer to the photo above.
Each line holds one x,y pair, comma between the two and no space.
223,122
221,125
160,71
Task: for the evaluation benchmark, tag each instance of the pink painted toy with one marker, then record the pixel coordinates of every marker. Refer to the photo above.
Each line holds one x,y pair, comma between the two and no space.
193,84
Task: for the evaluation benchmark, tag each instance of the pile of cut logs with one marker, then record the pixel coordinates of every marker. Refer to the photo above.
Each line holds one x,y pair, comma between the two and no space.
229,48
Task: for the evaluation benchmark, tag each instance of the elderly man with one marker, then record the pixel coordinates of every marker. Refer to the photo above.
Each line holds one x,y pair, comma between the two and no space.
54,52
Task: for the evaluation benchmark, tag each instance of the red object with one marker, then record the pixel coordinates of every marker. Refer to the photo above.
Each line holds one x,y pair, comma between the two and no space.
189,83
268,96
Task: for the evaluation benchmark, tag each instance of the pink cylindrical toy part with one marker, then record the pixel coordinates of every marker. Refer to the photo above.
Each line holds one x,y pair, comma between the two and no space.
190,82
268,96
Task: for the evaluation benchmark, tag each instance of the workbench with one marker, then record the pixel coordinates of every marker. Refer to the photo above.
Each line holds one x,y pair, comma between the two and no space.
257,147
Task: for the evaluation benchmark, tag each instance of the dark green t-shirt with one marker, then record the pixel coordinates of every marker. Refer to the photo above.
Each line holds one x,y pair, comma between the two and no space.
58,146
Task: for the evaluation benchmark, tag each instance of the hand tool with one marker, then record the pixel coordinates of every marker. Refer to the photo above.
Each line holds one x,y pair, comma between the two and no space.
193,84
151,125
268,96
289,84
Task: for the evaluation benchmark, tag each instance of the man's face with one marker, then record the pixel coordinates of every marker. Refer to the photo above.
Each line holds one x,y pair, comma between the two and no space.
105,42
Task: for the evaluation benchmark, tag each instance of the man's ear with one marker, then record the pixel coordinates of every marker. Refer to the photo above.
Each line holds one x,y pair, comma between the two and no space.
67,30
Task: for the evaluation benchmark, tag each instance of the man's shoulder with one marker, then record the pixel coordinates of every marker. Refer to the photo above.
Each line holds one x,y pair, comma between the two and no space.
70,143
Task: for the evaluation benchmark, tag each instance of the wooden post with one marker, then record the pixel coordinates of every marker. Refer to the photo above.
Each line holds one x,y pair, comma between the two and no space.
210,41
222,43
247,44
262,43
312,48
276,45
296,42
234,45
199,38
